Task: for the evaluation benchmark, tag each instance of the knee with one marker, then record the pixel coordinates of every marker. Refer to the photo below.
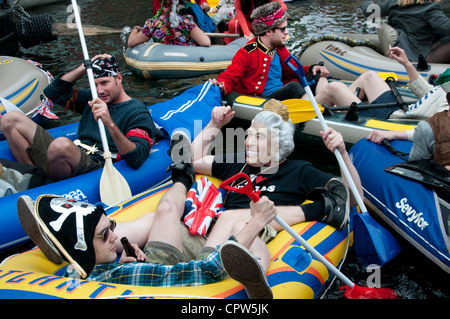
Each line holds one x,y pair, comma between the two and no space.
166,207
9,121
61,147
370,76
333,88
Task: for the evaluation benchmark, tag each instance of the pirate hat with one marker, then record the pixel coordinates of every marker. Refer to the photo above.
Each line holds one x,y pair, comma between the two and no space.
70,225
102,67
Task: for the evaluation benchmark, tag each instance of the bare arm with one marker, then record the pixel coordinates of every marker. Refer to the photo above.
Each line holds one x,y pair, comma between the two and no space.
220,116
377,136
80,71
263,212
399,55
100,110
136,37
333,140
200,37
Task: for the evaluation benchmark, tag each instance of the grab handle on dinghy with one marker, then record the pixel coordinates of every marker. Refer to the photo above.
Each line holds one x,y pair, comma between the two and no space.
383,246
352,291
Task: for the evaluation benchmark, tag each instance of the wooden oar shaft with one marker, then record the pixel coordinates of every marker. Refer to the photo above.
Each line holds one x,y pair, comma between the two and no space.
96,30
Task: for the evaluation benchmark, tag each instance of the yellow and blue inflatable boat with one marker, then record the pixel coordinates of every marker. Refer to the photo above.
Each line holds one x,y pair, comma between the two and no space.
293,272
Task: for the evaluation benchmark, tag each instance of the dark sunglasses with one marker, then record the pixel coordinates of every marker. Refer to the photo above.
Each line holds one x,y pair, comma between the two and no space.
105,232
283,29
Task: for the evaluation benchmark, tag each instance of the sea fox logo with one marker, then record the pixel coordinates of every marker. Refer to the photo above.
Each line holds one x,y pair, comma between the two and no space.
412,215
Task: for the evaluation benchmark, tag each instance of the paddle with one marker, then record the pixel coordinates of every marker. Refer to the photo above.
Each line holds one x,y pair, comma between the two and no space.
113,186
97,30
352,290
302,110
383,246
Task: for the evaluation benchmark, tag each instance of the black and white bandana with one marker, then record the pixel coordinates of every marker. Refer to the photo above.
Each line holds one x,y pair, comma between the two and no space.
102,67
70,225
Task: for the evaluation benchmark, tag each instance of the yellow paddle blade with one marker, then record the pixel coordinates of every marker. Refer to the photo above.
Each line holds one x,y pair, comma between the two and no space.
301,110
113,186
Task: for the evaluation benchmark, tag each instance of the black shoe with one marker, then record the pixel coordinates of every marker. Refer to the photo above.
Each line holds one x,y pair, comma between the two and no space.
180,147
337,204
244,268
180,153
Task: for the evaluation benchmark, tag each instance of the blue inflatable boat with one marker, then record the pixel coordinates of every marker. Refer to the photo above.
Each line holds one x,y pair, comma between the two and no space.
419,213
84,187
190,111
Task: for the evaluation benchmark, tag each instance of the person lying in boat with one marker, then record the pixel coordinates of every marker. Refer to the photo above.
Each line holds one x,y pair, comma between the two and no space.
432,99
418,23
431,137
83,235
170,26
258,67
287,183
128,121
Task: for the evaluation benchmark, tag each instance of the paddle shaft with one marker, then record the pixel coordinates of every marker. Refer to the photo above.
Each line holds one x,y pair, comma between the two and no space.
363,106
96,30
301,73
314,252
247,189
90,74
338,155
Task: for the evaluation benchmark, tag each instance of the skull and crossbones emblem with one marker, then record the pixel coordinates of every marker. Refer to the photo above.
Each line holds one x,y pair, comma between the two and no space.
66,207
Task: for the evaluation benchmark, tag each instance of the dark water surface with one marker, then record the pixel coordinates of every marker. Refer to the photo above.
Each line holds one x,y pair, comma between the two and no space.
409,274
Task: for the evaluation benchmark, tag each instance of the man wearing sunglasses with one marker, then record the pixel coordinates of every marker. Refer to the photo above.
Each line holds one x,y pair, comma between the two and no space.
83,235
258,68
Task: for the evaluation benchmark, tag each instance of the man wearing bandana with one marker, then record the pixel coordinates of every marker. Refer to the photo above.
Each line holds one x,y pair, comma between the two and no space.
258,68
130,128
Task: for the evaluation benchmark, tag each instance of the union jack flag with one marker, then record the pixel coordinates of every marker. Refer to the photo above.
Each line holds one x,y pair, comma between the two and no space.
203,203
45,109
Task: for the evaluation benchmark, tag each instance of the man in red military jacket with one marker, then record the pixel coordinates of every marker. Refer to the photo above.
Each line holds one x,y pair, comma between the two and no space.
258,68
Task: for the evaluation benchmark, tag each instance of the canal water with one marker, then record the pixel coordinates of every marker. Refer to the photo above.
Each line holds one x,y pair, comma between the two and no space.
409,274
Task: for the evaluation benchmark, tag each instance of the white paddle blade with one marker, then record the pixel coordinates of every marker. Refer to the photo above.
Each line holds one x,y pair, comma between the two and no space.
113,186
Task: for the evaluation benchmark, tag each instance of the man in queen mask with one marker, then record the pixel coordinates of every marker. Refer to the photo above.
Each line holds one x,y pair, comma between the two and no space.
127,120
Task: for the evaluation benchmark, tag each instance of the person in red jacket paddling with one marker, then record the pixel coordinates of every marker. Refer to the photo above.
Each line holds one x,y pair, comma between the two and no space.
258,68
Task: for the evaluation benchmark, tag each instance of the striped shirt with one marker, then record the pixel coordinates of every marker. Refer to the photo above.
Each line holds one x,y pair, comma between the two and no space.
193,273
432,100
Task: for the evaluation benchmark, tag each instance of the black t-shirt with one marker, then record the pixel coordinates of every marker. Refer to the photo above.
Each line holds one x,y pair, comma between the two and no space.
289,185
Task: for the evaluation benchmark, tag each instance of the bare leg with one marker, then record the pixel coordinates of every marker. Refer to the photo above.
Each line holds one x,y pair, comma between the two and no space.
371,84
137,230
19,130
166,224
440,54
63,158
337,93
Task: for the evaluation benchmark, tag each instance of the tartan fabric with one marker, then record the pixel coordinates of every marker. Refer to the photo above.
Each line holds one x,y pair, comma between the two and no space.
193,273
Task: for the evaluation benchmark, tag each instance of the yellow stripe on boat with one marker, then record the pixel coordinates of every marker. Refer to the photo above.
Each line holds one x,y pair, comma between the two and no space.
254,101
293,272
21,94
384,125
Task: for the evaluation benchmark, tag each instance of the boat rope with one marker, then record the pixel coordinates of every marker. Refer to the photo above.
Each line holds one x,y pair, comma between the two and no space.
305,44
